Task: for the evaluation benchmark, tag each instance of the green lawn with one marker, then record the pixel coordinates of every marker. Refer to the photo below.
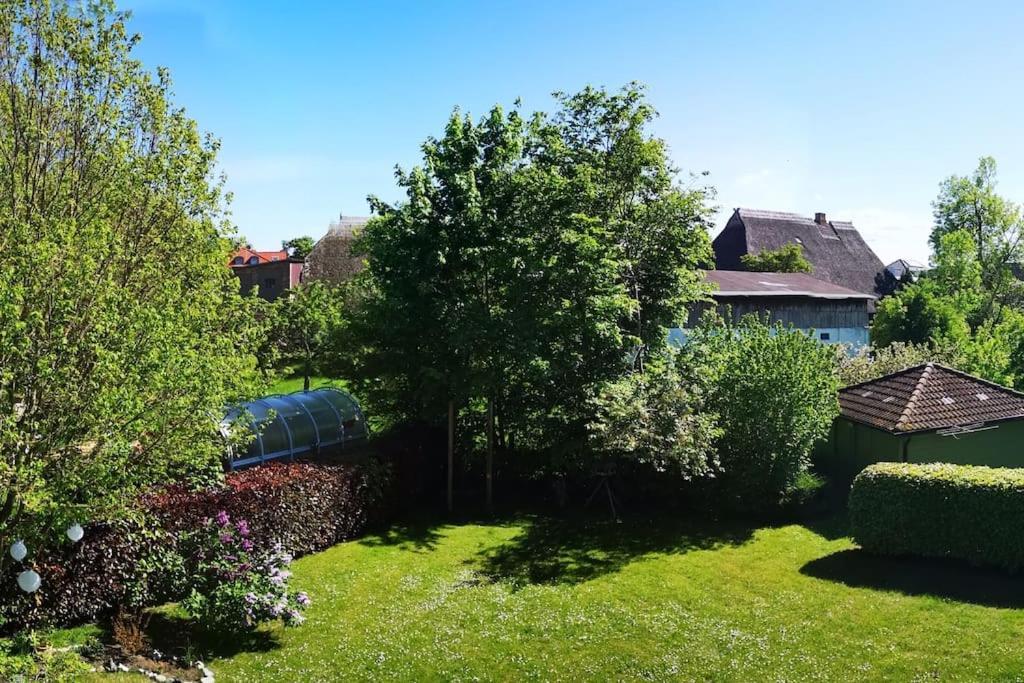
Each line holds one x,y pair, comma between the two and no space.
290,383
538,599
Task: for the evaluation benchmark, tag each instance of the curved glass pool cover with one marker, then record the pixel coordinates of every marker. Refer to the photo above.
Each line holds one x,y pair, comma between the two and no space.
289,425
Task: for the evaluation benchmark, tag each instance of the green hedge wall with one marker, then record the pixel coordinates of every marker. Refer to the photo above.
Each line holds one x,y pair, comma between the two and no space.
941,510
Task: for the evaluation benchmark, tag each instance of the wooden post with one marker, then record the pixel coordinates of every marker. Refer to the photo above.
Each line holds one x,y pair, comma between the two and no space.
451,454
490,455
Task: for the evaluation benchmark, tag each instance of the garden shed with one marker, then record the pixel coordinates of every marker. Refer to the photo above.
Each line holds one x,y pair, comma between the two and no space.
927,413
291,425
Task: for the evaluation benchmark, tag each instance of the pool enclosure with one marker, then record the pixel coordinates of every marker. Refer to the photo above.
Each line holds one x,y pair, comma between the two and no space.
291,425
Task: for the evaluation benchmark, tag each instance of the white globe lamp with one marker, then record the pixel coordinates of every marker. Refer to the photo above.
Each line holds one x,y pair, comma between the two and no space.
18,551
29,581
75,532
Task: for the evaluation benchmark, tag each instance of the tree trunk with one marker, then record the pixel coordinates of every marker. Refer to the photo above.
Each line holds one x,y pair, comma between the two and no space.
490,455
451,455
307,370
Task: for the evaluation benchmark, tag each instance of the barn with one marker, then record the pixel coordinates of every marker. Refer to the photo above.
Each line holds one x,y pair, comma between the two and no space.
833,314
927,413
836,250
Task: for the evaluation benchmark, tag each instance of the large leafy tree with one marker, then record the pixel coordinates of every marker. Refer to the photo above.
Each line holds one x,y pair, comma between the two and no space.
971,204
532,262
303,326
122,334
299,247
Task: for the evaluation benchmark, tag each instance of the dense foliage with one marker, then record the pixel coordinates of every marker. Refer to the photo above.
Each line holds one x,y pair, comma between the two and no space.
121,331
940,510
660,417
870,363
303,327
533,263
302,507
788,258
299,247
774,391
970,299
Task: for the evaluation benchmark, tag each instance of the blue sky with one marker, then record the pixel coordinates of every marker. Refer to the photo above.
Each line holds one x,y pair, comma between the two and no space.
858,109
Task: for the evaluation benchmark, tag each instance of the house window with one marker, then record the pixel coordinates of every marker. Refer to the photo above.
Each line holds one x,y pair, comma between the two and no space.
253,260
238,260
825,336
269,283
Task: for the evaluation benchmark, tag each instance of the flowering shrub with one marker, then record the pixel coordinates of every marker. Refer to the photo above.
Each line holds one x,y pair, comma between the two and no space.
303,507
234,587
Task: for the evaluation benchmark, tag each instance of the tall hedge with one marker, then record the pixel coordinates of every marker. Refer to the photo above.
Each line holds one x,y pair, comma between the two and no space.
303,506
940,510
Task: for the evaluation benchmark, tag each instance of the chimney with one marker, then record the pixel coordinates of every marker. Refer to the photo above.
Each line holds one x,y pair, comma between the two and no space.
820,219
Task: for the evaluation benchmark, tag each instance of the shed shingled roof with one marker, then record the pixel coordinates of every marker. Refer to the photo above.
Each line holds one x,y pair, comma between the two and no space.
835,249
929,397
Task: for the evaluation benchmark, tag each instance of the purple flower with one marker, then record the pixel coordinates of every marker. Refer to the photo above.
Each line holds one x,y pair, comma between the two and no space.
277,609
250,598
302,599
295,618
246,544
222,518
225,538
243,528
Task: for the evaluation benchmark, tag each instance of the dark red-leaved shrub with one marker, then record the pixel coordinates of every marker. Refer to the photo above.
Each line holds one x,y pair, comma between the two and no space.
303,506
107,568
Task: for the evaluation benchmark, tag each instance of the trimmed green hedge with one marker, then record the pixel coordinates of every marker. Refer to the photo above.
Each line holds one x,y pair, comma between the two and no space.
941,510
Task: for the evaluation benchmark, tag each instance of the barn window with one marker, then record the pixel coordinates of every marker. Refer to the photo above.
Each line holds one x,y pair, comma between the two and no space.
825,336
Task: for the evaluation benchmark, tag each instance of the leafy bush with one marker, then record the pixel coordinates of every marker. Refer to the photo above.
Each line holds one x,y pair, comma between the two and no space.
303,507
114,565
774,390
234,587
659,418
869,363
941,510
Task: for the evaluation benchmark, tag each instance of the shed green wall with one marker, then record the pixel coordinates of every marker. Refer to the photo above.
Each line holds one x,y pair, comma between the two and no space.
853,446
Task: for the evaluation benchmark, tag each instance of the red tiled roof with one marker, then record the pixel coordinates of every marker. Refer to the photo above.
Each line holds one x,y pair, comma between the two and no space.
929,397
263,256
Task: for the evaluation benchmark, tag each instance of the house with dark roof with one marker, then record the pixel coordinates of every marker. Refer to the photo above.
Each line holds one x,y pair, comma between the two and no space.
927,413
837,252
833,314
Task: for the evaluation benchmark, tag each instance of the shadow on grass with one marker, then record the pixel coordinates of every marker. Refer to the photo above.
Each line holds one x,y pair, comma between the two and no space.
916,576
175,634
830,527
569,551
420,537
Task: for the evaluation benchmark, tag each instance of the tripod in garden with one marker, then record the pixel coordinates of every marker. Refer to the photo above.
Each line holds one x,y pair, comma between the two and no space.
605,482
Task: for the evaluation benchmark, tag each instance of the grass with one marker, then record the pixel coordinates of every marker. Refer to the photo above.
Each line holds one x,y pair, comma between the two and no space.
539,599
292,383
